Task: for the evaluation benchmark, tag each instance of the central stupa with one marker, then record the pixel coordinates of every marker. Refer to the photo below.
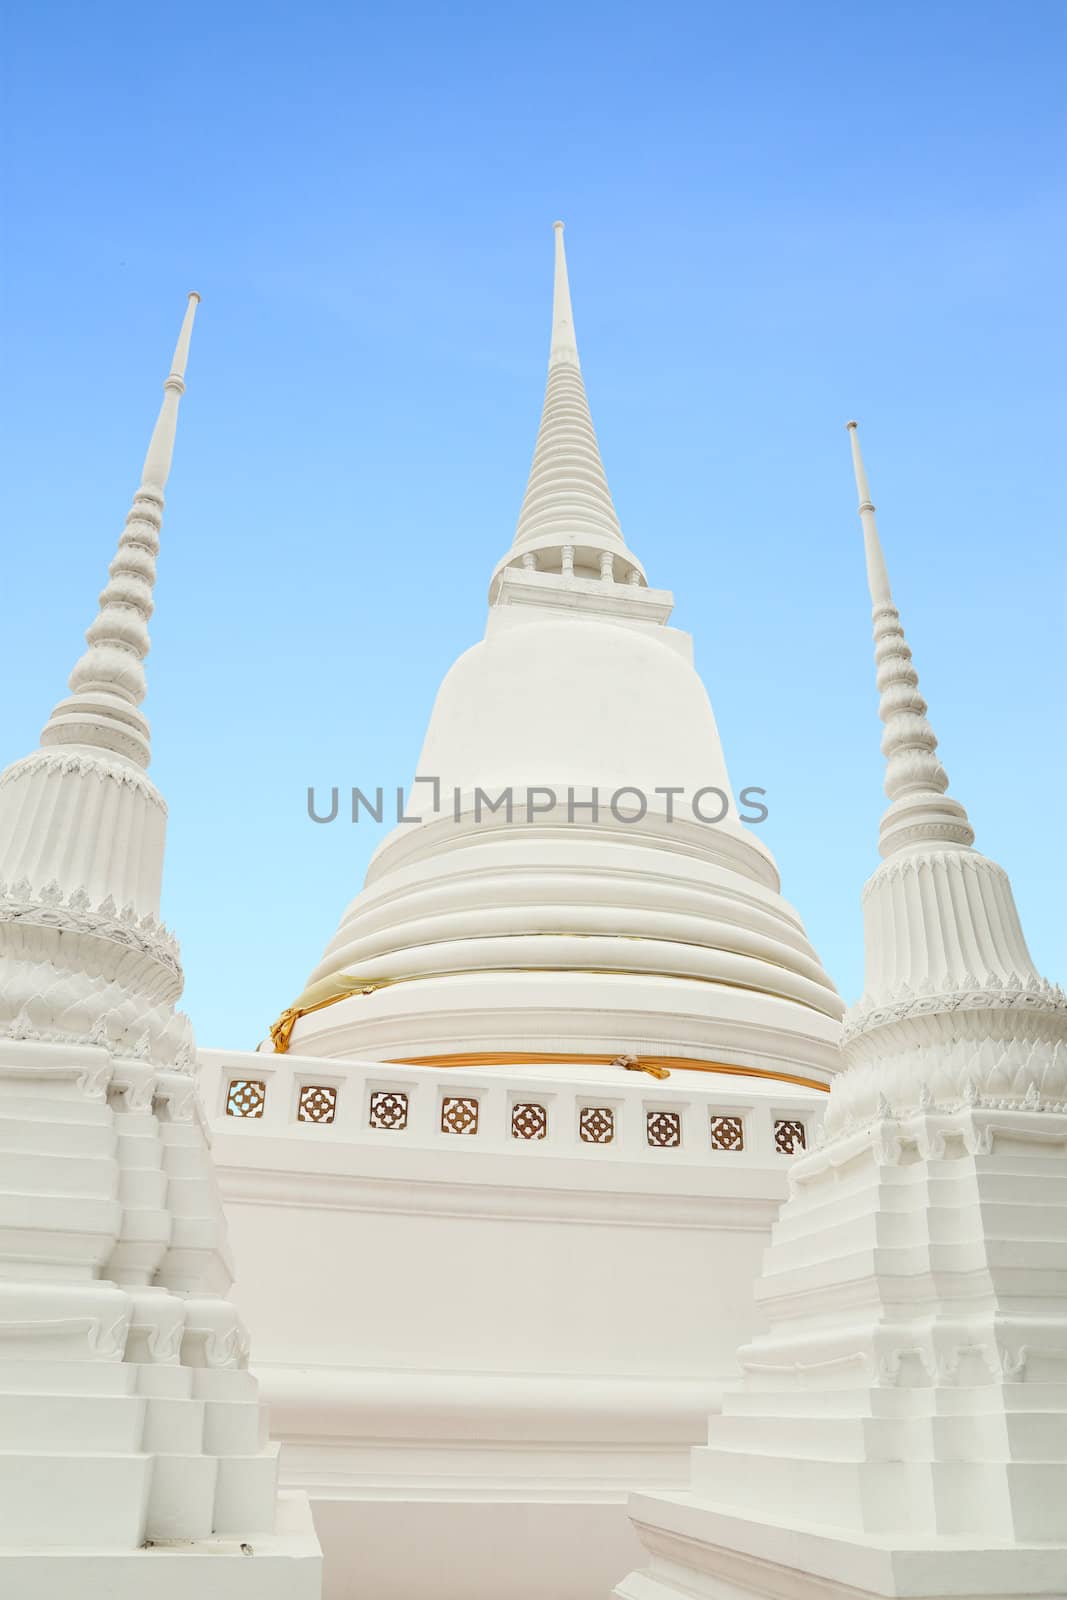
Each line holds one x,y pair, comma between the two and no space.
501,1177
580,886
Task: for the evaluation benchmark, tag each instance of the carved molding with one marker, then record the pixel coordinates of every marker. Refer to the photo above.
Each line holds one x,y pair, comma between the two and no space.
176,1094
95,1080
935,1128
1016,993
104,1342
134,1083
59,760
41,1003
50,907
893,1367
956,832
899,867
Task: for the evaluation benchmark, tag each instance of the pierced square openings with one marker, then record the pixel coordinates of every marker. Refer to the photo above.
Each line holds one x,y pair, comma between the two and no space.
789,1136
596,1124
664,1129
459,1115
318,1103
246,1098
388,1109
727,1133
528,1121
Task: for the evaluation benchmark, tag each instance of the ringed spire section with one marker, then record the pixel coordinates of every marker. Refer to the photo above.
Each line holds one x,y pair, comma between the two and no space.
946,957
108,682
915,780
568,524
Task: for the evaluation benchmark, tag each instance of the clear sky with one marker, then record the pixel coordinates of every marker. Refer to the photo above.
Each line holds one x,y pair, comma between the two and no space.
778,217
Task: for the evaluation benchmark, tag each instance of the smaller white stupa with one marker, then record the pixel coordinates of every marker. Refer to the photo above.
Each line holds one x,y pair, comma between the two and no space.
901,1429
133,1451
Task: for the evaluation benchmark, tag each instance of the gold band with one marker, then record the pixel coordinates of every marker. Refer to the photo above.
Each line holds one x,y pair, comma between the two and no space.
344,987
658,1066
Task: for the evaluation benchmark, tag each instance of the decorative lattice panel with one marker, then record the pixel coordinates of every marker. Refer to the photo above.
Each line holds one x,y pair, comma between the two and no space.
727,1133
789,1136
596,1124
459,1114
318,1103
388,1109
246,1098
663,1128
528,1121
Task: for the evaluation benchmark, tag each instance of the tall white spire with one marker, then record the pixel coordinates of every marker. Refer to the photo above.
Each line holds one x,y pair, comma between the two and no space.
942,933
119,1353
82,828
108,682
900,1426
920,811
564,348
567,497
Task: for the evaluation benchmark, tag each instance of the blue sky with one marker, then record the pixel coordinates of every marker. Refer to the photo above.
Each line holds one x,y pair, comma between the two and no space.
778,217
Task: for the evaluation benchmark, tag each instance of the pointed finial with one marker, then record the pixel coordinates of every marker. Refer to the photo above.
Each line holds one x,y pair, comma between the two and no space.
568,505
877,576
564,349
161,448
920,812
108,682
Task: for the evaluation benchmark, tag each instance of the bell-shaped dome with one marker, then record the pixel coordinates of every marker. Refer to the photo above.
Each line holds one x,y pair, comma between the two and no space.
574,892
575,701
581,886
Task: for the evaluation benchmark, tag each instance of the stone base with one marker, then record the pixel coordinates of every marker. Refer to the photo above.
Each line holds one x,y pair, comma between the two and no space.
474,1549
488,1486
283,1565
700,1553
104,1455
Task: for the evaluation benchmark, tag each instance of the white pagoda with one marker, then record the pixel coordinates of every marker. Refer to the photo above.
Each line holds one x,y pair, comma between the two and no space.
134,1458
500,1181
503,1183
901,1427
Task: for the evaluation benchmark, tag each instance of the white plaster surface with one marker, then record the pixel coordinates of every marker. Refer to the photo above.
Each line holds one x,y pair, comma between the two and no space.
491,1339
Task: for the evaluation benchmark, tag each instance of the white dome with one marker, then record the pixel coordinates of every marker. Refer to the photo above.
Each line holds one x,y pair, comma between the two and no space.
574,700
652,927
553,932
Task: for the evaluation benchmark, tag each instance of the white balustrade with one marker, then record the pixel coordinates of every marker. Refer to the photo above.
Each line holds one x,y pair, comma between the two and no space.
681,1118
